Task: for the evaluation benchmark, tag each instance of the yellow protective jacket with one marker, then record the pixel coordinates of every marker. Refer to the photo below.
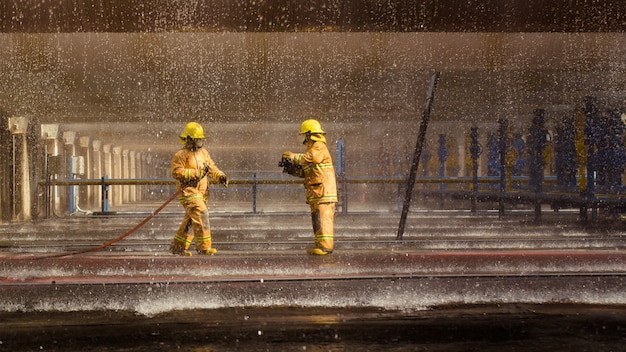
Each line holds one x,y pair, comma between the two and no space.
188,170
318,172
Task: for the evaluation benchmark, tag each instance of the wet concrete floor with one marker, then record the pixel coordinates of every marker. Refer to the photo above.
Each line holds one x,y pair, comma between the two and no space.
513,327
454,283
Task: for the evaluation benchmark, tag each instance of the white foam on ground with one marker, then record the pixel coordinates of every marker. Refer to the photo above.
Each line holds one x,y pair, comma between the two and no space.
403,295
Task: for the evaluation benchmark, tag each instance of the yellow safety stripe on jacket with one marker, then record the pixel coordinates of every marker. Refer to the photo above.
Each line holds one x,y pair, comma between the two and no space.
188,173
200,173
191,196
328,197
318,166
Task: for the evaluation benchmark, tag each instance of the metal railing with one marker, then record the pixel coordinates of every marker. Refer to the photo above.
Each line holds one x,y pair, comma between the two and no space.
571,197
104,184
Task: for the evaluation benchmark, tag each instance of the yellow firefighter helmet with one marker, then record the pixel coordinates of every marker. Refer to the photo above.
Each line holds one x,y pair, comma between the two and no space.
311,126
192,130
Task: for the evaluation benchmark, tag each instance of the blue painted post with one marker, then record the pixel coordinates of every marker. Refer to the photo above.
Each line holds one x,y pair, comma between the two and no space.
442,154
340,171
48,187
616,151
565,152
105,195
254,190
340,145
519,147
536,144
493,161
71,177
475,151
590,111
502,150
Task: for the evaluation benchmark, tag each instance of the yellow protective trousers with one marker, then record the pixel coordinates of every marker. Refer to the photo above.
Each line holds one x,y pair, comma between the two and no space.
323,217
195,225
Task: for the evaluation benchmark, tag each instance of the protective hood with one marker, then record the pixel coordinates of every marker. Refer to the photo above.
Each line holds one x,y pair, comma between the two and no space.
318,137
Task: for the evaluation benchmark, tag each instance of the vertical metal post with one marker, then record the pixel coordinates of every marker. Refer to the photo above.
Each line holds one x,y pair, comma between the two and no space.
475,151
341,173
14,192
443,156
590,140
339,168
254,190
71,190
399,191
537,143
105,196
565,154
102,196
502,149
47,194
430,95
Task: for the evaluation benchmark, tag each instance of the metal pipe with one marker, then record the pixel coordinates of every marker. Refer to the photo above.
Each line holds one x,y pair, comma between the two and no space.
570,199
418,180
418,152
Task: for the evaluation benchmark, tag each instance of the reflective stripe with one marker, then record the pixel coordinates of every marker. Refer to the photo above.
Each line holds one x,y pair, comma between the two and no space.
323,236
328,197
189,197
203,238
186,239
318,166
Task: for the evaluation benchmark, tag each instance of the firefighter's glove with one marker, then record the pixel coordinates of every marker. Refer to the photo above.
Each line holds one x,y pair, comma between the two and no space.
205,170
288,155
223,180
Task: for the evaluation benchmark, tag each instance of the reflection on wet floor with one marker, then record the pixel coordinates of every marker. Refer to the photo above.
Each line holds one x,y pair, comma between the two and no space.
515,327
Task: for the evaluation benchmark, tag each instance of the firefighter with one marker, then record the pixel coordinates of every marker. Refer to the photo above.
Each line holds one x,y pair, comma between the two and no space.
192,167
316,167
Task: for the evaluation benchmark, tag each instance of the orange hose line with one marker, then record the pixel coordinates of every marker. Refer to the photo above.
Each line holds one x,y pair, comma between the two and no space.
117,239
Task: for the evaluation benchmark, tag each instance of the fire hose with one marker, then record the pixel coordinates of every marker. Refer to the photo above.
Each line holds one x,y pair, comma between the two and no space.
117,239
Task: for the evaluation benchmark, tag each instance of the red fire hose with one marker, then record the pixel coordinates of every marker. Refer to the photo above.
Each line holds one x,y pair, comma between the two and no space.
117,239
